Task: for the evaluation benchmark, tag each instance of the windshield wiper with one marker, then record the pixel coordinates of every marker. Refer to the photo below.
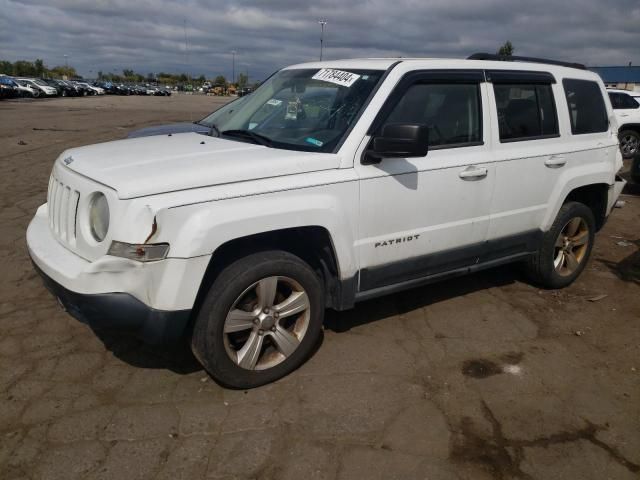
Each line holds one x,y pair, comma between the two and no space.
212,129
256,137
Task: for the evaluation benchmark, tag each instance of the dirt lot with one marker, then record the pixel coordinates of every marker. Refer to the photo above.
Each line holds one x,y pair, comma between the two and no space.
484,377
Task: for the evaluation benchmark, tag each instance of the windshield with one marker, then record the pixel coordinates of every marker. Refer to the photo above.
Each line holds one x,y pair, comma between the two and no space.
219,116
39,82
300,109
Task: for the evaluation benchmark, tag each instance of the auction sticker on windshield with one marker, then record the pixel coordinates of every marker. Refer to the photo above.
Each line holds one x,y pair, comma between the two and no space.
339,77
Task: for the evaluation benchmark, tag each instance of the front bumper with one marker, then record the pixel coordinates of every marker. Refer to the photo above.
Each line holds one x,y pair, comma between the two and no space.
120,312
150,300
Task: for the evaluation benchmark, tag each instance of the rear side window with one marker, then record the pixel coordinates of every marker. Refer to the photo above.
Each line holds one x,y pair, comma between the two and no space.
525,112
622,101
452,112
587,110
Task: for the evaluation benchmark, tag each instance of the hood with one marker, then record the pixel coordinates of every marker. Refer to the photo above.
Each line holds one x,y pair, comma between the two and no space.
183,127
152,165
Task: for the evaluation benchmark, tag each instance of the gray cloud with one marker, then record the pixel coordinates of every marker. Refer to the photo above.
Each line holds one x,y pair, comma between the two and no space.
149,35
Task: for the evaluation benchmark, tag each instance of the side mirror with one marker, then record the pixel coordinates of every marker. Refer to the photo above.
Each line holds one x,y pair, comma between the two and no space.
398,140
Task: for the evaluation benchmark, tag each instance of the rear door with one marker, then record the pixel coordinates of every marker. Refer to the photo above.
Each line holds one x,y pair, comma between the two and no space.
424,216
529,157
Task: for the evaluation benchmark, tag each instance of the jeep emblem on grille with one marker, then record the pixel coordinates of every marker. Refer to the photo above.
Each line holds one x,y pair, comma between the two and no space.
68,160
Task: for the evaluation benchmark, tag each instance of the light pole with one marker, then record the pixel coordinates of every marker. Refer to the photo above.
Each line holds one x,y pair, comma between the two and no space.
322,24
66,61
233,66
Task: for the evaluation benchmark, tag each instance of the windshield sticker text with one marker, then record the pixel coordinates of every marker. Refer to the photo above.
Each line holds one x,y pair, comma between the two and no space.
339,77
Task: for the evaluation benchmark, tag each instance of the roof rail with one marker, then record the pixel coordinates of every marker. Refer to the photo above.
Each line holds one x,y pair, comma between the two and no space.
510,58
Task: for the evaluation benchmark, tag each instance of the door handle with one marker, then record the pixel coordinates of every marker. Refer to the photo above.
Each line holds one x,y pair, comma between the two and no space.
555,161
473,173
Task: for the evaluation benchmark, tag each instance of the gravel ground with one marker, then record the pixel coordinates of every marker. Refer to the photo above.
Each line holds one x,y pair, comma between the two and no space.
484,377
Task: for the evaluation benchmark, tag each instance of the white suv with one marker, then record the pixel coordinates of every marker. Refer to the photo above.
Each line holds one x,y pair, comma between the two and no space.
626,108
333,183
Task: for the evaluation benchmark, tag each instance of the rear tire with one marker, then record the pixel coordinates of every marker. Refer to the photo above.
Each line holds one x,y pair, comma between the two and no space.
565,248
260,320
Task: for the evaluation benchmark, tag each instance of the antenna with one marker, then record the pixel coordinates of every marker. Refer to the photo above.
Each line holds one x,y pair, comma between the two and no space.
186,63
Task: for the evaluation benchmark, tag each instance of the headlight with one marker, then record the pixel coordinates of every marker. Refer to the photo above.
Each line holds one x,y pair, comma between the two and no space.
99,216
145,252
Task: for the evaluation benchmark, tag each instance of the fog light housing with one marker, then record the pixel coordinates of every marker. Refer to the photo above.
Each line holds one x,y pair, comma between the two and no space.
141,252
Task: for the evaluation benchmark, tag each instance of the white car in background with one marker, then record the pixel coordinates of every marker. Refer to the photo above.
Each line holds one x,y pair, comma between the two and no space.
626,108
26,90
97,90
37,84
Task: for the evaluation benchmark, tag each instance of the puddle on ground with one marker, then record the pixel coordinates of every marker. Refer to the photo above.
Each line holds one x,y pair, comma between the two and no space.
480,368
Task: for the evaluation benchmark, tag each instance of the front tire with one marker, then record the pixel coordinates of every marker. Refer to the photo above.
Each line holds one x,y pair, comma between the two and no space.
260,320
629,143
565,248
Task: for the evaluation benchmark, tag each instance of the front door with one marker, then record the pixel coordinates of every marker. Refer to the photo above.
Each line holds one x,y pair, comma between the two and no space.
425,216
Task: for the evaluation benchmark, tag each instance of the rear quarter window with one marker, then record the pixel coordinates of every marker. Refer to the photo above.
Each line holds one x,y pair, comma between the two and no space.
587,110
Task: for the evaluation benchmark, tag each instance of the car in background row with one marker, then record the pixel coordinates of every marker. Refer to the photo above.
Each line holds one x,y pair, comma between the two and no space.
626,108
8,88
26,90
37,84
63,88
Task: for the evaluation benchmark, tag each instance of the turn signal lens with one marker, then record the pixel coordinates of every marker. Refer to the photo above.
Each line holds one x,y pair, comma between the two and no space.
143,252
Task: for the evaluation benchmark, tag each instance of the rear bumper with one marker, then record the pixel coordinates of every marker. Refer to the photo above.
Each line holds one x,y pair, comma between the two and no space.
120,312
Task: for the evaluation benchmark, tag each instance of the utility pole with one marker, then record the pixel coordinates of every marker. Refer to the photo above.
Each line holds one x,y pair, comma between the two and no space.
233,66
322,24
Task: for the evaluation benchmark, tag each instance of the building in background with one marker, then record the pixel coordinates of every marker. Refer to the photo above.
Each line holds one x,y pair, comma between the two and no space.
626,78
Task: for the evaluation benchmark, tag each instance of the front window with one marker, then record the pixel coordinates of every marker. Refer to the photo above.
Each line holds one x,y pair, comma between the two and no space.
300,109
452,112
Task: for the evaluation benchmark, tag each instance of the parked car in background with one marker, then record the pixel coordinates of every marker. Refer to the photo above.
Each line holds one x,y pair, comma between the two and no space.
84,89
91,88
626,109
63,89
8,88
26,90
36,83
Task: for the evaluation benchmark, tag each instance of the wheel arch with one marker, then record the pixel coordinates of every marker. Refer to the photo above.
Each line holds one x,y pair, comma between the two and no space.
312,243
594,196
629,126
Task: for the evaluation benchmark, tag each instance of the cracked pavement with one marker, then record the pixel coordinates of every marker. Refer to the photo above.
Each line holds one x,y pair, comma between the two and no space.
483,377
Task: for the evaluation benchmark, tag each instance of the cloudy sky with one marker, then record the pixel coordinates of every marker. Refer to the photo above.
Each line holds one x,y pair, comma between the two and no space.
149,35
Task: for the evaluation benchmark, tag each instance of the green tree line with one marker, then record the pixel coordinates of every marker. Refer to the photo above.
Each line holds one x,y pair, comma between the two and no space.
37,68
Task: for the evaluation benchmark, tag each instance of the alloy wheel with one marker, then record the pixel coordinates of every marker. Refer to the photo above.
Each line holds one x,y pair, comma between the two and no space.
266,323
571,246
